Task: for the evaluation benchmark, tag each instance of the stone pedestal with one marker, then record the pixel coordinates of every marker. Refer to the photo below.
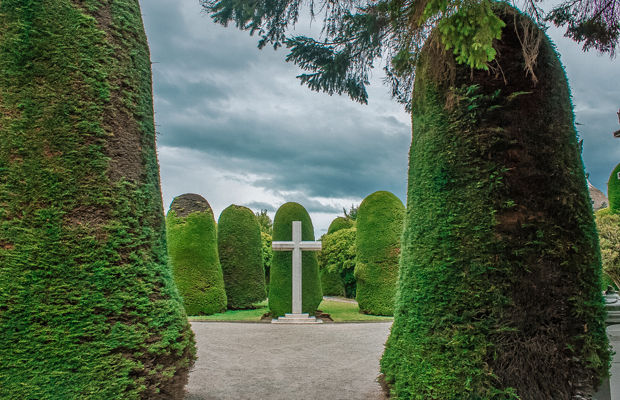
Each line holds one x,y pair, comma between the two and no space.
304,318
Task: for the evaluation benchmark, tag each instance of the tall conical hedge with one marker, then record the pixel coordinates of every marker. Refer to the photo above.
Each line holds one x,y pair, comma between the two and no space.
192,245
379,227
499,288
240,249
280,286
88,306
613,190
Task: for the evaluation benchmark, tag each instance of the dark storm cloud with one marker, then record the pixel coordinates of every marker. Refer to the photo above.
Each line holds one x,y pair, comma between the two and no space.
245,118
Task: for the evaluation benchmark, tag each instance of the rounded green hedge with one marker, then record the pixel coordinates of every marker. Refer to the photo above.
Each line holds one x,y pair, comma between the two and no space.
280,285
192,245
239,245
499,293
379,227
88,306
340,223
613,190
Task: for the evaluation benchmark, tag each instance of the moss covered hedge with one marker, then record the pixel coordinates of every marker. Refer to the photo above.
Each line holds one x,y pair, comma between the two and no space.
240,249
499,289
340,223
192,245
280,285
379,227
88,306
613,190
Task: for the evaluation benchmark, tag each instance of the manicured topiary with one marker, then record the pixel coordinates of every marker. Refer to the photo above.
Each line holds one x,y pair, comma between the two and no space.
280,285
340,223
331,282
241,256
379,227
88,306
192,245
613,190
499,288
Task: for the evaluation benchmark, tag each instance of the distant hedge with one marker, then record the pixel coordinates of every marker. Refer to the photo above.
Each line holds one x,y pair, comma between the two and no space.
192,245
499,288
613,190
88,306
240,249
267,255
379,227
280,286
340,223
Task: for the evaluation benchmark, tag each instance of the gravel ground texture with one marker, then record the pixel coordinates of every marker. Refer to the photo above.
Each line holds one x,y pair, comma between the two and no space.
264,361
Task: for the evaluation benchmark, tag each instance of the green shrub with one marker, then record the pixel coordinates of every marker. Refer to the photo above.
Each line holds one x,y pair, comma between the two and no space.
337,258
239,245
267,255
379,227
613,190
88,306
192,245
280,285
331,282
340,223
499,288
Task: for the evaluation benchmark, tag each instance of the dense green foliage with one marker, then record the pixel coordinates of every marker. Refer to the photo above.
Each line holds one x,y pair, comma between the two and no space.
240,248
499,288
88,306
613,190
340,223
267,254
377,245
192,245
266,224
608,227
280,285
337,258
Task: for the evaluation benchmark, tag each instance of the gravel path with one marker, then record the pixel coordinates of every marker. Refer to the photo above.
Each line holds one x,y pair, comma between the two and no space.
293,362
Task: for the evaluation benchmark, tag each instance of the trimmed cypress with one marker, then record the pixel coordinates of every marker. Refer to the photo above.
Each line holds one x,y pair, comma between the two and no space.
240,249
613,190
88,306
499,288
340,223
192,245
379,227
280,285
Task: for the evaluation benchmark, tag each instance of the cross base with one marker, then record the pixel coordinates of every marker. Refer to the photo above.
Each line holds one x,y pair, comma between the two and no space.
304,318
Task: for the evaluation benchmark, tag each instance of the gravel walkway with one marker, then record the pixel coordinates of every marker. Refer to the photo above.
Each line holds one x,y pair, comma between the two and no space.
293,362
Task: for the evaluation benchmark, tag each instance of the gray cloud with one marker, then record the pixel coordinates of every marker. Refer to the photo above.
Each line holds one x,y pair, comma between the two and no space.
236,126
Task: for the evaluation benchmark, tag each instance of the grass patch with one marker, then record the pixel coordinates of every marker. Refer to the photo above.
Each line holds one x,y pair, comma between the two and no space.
339,311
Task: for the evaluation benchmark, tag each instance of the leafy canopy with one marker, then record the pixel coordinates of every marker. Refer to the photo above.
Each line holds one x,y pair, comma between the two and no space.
358,32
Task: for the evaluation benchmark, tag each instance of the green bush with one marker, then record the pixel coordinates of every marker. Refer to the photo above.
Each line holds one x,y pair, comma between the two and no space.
280,285
340,223
379,227
267,255
239,245
192,245
337,258
499,288
613,190
88,306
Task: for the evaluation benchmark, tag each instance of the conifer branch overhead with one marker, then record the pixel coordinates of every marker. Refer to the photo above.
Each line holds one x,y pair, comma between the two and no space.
357,32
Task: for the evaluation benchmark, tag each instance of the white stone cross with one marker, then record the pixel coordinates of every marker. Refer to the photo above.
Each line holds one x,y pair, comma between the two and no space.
296,245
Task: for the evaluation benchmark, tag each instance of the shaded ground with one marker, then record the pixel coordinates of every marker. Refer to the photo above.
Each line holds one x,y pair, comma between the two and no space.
265,361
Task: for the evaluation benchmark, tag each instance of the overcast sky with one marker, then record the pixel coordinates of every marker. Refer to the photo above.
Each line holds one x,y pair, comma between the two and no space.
235,125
